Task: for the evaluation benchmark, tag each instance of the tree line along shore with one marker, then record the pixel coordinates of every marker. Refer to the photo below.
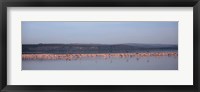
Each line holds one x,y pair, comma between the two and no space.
104,55
94,48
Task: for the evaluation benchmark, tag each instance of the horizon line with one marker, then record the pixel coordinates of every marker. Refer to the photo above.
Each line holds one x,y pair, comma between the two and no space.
98,43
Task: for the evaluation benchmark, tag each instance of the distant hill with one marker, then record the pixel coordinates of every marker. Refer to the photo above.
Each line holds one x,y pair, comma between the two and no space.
94,48
152,45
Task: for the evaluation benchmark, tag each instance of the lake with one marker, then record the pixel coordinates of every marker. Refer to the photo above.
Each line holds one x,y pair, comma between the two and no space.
100,63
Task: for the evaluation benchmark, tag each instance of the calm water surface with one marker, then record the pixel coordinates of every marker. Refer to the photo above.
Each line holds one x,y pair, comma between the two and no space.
100,63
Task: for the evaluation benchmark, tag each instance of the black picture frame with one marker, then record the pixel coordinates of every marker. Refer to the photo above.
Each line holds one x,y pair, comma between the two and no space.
98,3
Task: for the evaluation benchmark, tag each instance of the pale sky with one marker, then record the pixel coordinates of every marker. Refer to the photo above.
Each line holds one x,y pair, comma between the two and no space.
100,32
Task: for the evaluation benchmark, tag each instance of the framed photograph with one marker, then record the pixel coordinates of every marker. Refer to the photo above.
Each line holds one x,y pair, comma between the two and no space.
91,45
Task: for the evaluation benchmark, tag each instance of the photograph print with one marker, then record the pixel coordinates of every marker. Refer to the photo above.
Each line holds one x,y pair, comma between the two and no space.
99,45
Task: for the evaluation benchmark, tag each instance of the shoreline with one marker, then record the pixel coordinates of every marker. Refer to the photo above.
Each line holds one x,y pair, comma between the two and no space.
104,55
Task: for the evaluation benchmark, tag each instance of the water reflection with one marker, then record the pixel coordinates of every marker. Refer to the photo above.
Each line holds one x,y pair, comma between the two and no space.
102,63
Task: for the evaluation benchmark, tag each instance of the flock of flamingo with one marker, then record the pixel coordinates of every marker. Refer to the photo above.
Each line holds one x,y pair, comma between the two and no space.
104,55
